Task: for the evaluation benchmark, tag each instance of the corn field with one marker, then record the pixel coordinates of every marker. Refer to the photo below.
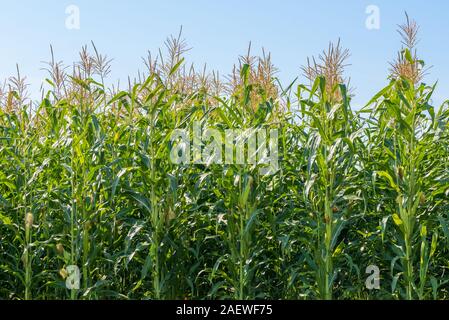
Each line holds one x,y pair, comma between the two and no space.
86,180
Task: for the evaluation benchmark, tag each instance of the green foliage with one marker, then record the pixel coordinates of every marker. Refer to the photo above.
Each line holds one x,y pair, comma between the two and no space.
86,179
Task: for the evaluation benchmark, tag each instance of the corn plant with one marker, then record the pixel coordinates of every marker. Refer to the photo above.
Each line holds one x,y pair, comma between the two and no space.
405,123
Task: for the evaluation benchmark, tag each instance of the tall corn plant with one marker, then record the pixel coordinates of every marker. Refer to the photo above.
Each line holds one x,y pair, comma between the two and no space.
409,172
328,147
153,179
405,127
18,146
240,206
252,106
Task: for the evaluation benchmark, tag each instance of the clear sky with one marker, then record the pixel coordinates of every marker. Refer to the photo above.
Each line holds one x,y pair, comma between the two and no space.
219,31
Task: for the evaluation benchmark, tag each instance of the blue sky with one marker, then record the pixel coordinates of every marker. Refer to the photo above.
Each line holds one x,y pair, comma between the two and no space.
219,31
